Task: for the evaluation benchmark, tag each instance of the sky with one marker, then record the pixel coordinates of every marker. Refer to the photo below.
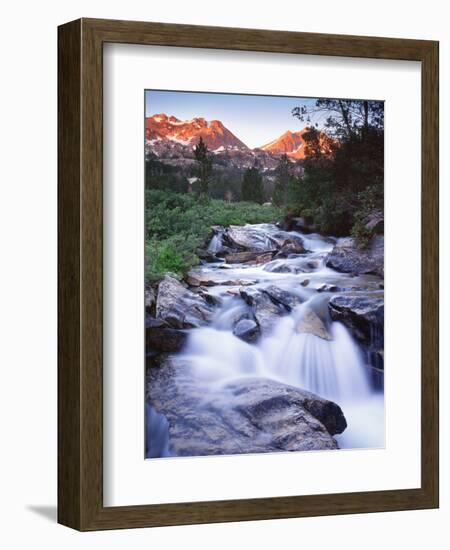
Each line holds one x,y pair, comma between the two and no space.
255,120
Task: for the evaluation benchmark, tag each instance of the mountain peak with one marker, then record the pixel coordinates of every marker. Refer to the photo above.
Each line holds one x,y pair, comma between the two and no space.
291,143
188,132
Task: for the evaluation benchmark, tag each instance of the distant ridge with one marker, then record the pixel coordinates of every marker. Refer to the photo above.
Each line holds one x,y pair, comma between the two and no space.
188,132
173,140
293,144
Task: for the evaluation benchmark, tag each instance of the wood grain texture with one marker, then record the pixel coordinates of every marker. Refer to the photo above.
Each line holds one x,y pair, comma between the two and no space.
80,339
69,248
430,272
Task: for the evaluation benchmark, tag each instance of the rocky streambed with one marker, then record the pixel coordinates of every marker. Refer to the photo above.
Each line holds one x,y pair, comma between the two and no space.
273,343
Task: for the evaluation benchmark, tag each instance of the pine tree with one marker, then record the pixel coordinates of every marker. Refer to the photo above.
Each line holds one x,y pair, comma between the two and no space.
203,158
252,186
283,177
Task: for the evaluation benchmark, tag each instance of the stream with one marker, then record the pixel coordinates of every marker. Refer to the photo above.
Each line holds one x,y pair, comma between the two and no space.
325,360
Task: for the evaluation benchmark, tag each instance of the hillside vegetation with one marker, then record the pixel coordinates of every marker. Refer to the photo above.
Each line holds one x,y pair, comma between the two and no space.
179,224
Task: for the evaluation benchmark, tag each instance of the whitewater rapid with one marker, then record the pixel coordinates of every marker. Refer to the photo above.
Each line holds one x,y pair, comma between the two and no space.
334,368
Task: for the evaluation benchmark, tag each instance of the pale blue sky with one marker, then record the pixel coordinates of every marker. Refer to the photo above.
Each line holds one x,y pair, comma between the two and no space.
254,119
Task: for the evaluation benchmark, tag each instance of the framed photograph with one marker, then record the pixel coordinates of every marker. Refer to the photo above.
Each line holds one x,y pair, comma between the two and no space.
234,207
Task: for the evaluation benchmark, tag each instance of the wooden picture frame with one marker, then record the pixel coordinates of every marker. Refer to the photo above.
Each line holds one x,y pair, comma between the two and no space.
80,272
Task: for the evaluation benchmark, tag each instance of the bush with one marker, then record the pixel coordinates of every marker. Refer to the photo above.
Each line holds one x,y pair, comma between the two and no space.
369,200
164,259
178,225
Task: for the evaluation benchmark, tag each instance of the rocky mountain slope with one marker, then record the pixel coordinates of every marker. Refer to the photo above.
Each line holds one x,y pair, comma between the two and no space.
293,144
173,140
188,132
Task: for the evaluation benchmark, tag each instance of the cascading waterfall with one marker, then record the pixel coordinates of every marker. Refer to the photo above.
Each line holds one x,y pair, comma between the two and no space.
333,367
214,244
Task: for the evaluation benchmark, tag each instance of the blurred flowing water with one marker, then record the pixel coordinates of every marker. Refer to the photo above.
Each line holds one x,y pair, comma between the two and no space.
333,368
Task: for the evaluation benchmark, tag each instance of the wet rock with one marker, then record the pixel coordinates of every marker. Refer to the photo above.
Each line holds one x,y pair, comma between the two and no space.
207,257
291,265
311,323
247,416
252,258
327,288
264,309
305,282
263,400
247,330
281,266
160,337
180,307
375,221
312,265
249,238
348,258
210,299
289,247
362,314
150,298
198,278
287,299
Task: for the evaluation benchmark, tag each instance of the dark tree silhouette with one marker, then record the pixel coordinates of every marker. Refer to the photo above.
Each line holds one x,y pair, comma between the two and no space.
283,177
342,190
346,118
252,186
203,158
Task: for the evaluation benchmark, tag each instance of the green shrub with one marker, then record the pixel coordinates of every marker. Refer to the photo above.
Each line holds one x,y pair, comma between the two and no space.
178,225
369,200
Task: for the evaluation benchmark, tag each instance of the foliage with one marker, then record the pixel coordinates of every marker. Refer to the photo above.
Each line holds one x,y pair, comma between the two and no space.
342,185
204,160
369,202
165,258
177,225
346,117
283,179
163,176
252,186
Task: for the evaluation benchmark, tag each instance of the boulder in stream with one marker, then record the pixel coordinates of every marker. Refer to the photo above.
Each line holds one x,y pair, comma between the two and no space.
348,258
251,258
179,307
197,278
283,266
248,415
249,238
291,246
265,311
311,323
362,314
161,337
325,287
247,330
289,300
150,298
